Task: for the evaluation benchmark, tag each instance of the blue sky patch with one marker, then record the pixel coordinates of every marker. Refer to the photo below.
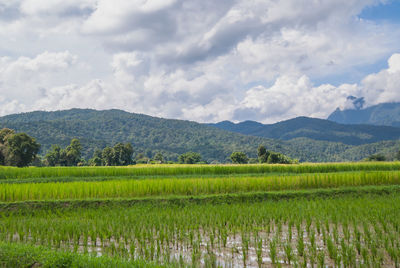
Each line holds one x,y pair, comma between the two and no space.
389,12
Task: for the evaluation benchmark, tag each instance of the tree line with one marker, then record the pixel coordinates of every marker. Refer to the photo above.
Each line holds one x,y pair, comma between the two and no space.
19,149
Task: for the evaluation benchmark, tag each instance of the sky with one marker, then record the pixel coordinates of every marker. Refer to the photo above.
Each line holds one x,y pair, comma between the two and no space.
200,60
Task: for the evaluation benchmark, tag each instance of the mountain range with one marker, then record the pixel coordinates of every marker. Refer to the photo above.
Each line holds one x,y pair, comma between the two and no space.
306,139
316,129
384,114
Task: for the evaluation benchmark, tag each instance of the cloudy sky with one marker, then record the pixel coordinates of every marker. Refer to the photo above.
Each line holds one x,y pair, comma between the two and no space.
202,60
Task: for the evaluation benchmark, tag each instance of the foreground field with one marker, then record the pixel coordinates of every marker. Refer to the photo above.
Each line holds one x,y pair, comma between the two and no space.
231,216
346,230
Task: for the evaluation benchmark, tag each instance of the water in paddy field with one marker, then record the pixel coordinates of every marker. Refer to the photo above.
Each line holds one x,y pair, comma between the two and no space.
228,252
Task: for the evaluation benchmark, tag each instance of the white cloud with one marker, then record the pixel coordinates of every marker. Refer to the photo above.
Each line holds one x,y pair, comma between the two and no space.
385,85
198,60
394,64
24,78
292,96
93,95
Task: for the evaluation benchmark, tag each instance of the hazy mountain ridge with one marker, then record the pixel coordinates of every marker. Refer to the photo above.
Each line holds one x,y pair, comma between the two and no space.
316,129
172,137
384,114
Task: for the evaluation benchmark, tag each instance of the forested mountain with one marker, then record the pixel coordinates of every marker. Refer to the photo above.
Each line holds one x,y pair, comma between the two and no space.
316,129
385,114
148,135
96,129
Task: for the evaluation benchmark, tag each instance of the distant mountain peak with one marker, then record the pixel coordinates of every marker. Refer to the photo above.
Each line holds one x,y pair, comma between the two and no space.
316,129
385,114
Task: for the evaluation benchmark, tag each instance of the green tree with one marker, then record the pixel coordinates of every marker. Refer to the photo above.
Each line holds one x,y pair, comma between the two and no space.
53,156
20,149
189,158
118,153
4,133
73,153
239,158
108,156
123,154
261,150
262,154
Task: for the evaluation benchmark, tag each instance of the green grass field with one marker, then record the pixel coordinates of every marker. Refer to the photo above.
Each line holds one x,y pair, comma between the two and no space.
306,215
195,170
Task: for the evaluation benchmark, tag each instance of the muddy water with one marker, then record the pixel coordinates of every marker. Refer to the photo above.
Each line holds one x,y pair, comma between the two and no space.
238,251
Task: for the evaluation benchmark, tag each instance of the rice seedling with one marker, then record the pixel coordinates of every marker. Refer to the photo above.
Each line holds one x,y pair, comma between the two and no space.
177,170
192,186
359,228
168,233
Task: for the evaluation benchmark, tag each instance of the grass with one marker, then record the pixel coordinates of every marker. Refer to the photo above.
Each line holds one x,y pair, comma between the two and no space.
191,186
177,170
215,199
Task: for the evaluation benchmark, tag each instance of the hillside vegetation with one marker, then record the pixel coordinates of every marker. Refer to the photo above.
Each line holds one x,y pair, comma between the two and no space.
149,135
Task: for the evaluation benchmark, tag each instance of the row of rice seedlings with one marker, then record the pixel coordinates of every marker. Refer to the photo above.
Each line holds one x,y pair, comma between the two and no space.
346,232
175,170
20,255
199,186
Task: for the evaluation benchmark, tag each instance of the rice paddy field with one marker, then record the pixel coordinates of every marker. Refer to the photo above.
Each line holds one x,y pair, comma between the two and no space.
303,215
